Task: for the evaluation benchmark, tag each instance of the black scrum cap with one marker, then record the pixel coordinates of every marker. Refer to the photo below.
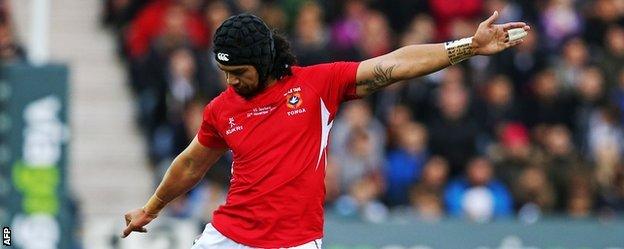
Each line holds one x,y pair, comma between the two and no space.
245,40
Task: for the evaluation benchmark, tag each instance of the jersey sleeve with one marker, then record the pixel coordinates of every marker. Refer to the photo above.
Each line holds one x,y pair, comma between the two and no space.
335,81
208,134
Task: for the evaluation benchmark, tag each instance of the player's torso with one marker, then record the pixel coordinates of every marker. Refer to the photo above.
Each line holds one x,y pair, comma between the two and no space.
279,141
282,126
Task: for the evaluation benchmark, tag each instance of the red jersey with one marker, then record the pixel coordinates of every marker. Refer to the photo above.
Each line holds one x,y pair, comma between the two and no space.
278,139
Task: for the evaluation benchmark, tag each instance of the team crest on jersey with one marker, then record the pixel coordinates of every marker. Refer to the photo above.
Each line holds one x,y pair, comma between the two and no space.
293,100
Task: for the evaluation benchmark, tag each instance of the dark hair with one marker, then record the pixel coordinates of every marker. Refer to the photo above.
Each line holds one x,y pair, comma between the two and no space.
284,58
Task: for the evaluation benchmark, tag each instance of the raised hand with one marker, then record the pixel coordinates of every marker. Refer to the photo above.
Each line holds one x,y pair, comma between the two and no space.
492,38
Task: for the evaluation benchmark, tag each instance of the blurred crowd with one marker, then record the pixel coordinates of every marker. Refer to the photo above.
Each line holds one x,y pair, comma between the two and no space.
535,130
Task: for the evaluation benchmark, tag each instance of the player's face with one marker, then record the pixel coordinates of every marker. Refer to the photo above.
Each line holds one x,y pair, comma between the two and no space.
243,79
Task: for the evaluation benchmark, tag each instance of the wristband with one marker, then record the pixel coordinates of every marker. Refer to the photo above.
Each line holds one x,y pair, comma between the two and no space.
459,50
154,205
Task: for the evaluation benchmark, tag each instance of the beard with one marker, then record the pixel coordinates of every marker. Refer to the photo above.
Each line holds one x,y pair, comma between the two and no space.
249,92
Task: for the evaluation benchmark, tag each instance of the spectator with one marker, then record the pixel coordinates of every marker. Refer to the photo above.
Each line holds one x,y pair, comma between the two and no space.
533,193
612,61
362,200
607,157
398,117
310,43
118,13
580,199
497,106
547,104
427,205
357,162
426,196
611,188
559,20
606,131
617,94
561,160
589,96
274,16
153,21
211,80
421,30
514,153
370,135
479,196
575,57
376,36
446,12
404,164
360,178
453,132
399,11
601,14
434,175
173,82
509,10
347,31
248,6
10,50
215,13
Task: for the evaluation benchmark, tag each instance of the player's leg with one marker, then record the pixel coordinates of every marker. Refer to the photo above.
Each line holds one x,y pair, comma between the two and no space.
213,239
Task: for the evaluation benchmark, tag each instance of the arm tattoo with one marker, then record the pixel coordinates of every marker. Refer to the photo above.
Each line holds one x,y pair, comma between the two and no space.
382,76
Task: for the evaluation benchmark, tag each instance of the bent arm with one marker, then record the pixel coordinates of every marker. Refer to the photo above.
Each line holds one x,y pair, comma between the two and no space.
187,169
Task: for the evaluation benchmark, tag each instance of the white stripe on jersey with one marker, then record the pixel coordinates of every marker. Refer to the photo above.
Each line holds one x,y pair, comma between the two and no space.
325,127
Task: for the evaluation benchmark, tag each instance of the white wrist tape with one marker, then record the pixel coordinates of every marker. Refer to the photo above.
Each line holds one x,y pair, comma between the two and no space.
459,50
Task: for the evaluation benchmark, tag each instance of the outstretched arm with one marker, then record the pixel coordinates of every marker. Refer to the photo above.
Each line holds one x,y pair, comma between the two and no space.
185,172
417,60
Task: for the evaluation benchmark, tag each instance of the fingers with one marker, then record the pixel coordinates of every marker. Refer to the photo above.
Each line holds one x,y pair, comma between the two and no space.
514,43
514,25
491,19
126,231
131,228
